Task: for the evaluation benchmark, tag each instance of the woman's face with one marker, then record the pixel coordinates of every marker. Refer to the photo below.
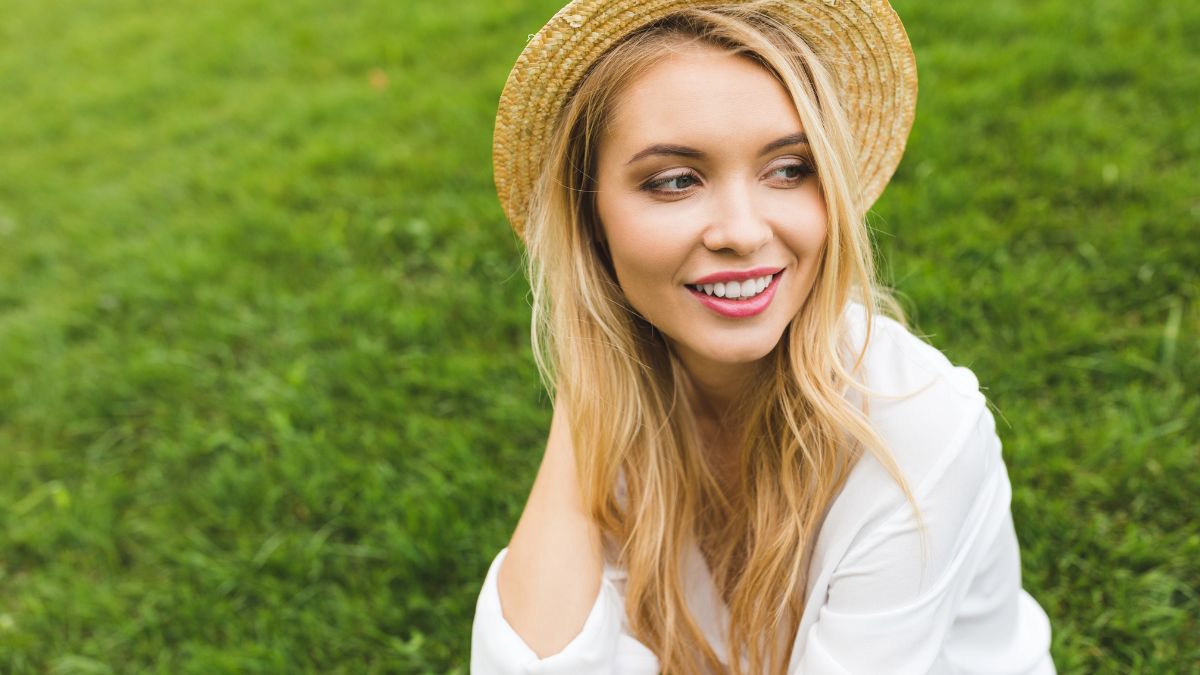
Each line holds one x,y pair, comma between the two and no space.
705,188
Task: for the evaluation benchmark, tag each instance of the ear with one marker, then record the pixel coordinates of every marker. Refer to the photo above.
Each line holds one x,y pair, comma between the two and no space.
595,230
599,243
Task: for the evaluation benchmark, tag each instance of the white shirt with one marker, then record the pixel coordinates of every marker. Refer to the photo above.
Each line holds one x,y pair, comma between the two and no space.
872,607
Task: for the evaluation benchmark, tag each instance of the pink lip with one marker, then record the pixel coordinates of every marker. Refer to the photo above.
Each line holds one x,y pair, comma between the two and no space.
739,309
737,275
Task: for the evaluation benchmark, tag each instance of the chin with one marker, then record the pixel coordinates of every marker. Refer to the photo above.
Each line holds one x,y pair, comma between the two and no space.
735,354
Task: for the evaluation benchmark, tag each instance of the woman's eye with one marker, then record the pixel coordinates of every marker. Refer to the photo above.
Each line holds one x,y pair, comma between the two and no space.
668,184
793,173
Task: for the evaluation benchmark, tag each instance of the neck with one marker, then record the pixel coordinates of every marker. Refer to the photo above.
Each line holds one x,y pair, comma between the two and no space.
717,389
715,392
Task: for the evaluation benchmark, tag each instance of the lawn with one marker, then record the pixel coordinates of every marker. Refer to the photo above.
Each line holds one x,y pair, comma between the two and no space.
266,397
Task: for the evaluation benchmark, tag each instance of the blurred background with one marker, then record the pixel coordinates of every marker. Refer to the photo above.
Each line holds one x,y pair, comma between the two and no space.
266,397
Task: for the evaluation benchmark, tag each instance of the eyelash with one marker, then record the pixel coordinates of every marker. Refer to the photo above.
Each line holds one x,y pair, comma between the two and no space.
656,184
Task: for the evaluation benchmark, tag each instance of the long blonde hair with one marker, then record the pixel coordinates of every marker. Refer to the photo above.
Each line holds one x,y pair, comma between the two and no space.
643,475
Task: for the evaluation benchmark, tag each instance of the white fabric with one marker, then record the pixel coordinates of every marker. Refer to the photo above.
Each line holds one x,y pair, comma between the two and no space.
875,605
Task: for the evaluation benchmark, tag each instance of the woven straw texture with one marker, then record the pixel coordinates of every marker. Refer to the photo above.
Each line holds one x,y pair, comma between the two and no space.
861,42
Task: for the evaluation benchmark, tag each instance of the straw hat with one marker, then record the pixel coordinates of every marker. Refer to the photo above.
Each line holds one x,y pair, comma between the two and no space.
862,43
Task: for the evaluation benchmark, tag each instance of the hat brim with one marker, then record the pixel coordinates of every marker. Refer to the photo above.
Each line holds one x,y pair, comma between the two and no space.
861,42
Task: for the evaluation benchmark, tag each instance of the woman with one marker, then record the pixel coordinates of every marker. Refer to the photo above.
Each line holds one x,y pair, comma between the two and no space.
749,468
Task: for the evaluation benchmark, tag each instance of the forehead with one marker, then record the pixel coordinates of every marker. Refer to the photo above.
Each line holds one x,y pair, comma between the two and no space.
698,90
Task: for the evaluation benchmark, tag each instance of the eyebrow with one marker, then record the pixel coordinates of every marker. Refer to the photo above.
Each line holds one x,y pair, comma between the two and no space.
684,151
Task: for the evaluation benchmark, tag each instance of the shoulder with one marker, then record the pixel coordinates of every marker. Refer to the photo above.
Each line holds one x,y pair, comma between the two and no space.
935,425
897,361
929,412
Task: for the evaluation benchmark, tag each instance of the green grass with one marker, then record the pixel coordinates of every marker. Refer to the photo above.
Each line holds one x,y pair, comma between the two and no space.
266,399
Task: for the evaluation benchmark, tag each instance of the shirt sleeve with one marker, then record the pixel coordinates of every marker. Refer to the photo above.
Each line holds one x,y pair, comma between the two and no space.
895,594
602,647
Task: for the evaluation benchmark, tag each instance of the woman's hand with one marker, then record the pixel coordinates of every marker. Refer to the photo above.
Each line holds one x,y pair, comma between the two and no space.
550,576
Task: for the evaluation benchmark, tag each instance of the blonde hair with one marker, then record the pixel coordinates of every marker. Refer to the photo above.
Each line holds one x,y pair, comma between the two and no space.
644,477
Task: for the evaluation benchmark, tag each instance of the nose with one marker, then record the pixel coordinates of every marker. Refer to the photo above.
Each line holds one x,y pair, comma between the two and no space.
737,225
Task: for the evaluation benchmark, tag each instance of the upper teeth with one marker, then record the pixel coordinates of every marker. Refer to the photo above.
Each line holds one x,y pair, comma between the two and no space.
737,289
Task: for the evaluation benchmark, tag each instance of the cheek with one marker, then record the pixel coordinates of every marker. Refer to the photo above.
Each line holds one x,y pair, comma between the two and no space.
812,225
801,224
817,232
643,248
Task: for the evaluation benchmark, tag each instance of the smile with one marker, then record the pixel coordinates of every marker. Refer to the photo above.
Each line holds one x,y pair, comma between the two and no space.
737,299
734,289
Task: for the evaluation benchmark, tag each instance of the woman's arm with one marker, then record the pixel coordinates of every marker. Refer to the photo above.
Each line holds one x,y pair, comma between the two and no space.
550,578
